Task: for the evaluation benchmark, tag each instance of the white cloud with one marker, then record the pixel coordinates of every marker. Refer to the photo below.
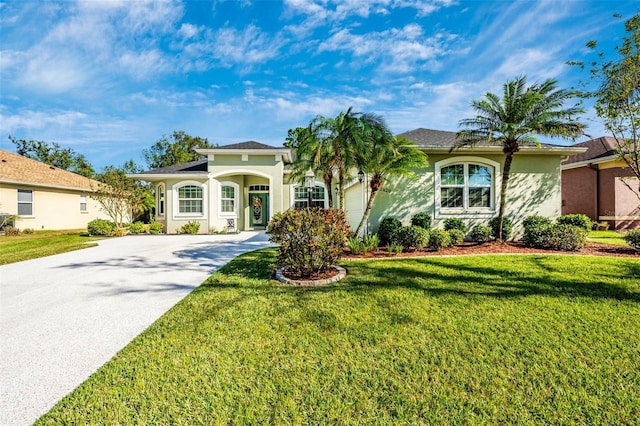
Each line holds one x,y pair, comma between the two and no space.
249,46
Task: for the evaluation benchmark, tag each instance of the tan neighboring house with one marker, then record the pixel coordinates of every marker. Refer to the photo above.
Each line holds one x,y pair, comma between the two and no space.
45,197
240,186
596,183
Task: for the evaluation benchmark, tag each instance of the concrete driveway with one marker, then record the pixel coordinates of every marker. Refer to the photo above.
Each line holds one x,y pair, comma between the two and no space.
63,316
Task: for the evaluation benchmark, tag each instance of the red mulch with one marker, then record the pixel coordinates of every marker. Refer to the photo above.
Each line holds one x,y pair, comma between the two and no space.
594,249
313,277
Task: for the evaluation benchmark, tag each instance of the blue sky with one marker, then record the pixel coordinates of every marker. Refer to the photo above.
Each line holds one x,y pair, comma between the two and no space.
109,78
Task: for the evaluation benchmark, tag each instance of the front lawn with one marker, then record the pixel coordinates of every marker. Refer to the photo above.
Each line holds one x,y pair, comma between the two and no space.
527,339
40,244
607,237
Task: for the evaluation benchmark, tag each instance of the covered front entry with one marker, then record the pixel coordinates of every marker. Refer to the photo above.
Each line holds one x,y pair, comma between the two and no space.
258,209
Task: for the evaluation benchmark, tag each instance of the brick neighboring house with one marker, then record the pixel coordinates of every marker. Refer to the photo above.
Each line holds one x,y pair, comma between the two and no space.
45,197
592,184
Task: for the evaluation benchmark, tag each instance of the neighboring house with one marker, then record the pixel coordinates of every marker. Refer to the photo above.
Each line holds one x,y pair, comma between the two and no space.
240,186
596,183
45,197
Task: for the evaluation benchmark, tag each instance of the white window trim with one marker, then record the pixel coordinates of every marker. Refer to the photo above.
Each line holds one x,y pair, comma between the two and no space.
316,183
176,203
32,202
236,200
468,213
162,187
83,200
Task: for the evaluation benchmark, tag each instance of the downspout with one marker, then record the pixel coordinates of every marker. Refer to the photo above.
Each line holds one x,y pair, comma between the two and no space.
595,168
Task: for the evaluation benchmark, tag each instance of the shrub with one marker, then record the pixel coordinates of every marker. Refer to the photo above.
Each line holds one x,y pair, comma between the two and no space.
371,242
101,227
567,237
413,236
310,240
394,248
191,227
457,236
633,238
507,226
137,228
10,231
356,245
120,232
480,233
27,231
387,230
423,220
156,228
536,231
455,223
579,220
439,239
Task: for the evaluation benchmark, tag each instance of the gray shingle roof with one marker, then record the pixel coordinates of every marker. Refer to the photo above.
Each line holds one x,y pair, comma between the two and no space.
247,145
190,167
428,138
596,148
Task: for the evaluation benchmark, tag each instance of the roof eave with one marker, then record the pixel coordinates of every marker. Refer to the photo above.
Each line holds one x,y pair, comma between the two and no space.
155,177
46,185
285,152
583,163
527,150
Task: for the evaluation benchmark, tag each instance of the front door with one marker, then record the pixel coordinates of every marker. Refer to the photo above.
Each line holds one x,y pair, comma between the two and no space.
259,205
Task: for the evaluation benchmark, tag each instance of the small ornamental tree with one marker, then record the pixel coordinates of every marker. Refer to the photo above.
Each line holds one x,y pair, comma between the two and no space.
310,240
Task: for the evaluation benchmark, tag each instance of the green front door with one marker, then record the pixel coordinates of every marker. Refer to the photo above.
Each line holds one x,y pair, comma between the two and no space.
259,209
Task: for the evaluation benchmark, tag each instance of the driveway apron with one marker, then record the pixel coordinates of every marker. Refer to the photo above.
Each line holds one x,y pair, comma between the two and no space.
64,316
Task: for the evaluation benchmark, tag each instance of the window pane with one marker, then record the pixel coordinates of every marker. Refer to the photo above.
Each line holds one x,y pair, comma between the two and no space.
227,192
451,197
479,197
190,206
227,206
300,193
25,195
479,175
300,204
25,209
452,175
190,192
318,193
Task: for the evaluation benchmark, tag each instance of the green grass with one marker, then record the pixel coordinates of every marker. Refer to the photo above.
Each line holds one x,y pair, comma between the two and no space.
461,340
607,237
41,244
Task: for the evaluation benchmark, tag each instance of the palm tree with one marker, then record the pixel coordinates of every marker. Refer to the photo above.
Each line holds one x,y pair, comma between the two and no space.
344,137
522,113
387,156
311,154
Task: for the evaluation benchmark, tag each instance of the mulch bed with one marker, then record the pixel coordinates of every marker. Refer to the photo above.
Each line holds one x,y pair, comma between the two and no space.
593,249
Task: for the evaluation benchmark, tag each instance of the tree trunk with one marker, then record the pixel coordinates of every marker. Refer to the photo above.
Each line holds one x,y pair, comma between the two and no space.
367,212
503,192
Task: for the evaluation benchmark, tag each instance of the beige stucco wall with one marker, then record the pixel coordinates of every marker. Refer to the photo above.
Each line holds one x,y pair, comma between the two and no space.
534,189
53,209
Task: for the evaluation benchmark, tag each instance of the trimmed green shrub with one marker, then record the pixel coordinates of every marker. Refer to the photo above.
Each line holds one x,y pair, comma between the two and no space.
535,231
480,233
191,227
633,238
457,236
413,236
507,227
455,223
387,230
310,240
439,239
423,220
579,220
156,228
101,227
137,228
567,237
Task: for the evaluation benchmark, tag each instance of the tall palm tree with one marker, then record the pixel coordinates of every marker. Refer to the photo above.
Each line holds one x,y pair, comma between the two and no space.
346,136
311,154
384,157
522,113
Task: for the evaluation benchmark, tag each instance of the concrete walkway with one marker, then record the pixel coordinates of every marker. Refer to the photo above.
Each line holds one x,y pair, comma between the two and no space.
63,316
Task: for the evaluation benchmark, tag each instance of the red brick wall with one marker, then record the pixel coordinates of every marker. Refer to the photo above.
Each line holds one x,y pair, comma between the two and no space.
579,191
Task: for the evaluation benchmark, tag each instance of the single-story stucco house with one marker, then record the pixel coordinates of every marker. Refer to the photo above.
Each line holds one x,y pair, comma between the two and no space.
239,187
592,184
41,196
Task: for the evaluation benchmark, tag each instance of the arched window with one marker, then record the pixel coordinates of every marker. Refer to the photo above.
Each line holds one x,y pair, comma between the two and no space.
301,197
160,200
190,199
465,185
228,199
